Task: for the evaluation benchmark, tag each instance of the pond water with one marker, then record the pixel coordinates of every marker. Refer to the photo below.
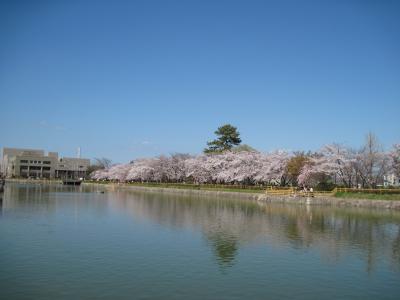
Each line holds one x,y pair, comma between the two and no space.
59,242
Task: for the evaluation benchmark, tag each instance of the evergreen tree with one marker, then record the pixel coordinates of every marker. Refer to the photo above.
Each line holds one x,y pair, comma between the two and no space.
228,136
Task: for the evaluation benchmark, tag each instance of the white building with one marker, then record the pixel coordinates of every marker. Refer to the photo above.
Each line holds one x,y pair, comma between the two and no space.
391,180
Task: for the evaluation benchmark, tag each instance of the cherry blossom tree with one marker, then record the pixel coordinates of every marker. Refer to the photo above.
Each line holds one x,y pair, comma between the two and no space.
272,166
394,157
141,170
334,160
99,174
177,169
118,172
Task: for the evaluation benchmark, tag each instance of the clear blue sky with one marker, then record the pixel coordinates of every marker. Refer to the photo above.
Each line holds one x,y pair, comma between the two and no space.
127,79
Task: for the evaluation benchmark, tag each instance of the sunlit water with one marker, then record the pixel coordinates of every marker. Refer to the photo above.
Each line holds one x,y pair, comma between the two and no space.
76,243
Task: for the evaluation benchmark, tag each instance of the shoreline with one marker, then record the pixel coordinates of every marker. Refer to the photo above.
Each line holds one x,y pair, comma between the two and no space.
261,197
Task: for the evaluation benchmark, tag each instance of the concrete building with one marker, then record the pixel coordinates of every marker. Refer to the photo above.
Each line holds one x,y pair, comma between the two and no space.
69,167
34,163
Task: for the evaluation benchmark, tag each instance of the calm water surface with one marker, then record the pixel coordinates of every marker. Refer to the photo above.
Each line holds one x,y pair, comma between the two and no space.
76,243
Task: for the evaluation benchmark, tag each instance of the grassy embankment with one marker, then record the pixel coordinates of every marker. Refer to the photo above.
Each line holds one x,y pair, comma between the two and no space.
189,186
368,196
381,195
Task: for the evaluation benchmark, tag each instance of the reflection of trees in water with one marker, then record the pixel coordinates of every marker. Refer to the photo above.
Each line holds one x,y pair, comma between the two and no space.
224,246
396,250
223,222
227,224
368,234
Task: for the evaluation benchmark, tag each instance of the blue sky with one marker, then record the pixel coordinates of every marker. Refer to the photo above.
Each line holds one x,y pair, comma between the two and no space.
127,79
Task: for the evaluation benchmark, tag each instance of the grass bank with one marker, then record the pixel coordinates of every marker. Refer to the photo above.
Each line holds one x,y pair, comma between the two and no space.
368,196
189,186
252,189
259,194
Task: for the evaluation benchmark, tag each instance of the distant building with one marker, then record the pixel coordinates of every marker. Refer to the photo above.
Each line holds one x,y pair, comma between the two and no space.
34,163
69,167
391,180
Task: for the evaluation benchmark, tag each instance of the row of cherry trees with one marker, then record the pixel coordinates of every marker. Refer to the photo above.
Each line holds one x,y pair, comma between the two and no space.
247,167
337,164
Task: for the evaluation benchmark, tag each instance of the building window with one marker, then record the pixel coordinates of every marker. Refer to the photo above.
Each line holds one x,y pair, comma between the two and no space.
23,161
46,162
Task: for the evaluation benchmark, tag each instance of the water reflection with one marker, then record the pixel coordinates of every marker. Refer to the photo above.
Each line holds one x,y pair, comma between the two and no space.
225,247
229,225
